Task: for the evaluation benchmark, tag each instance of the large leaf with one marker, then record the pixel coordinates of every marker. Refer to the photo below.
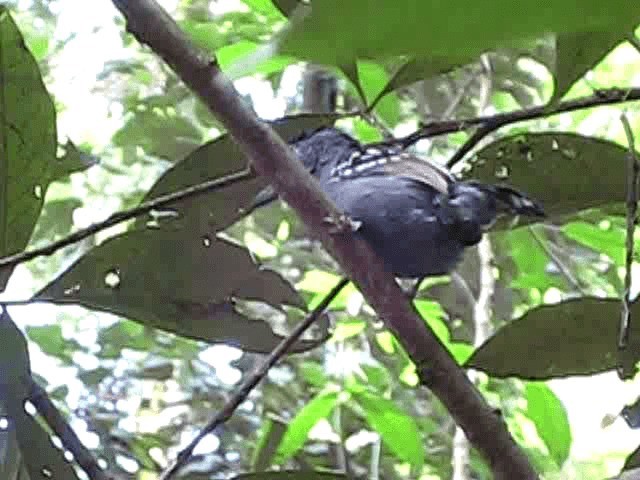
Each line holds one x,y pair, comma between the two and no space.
335,31
547,412
219,209
178,281
565,172
575,337
36,452
28,145
577,53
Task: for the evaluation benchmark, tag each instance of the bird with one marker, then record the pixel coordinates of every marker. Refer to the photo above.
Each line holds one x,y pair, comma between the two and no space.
414,213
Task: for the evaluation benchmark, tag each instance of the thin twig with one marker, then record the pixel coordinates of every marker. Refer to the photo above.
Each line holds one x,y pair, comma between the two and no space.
633,171
493,122
556,260
54,419
250,383
118,217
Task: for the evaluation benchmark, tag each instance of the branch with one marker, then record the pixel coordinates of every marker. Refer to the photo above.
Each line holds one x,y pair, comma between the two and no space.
124,215
493,122
252,381
271,157
54,419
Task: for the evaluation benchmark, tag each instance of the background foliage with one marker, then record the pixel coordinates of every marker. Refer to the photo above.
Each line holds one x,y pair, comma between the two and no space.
103,313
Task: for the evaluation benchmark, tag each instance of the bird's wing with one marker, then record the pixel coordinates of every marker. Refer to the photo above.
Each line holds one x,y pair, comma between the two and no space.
394,162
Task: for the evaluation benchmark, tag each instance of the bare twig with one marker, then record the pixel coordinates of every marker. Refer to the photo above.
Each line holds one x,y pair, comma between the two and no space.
633,172
493,122
252,380
124,215
45,407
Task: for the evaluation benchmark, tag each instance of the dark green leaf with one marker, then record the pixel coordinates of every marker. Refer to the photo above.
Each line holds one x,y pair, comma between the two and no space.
219,209
128,275
565,172
29,142
575,337
577,53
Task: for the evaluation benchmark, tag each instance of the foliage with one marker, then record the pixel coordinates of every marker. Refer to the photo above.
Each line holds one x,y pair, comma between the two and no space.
179,304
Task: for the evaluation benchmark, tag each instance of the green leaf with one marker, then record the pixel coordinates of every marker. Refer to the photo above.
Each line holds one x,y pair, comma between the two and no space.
577,53
398,430
417,69
73,160
548,414
610,241
29,142
373,29
575,337
373,78
50,340
318,408
271,433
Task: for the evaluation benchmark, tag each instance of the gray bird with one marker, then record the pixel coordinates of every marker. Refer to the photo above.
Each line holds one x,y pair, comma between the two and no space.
413,213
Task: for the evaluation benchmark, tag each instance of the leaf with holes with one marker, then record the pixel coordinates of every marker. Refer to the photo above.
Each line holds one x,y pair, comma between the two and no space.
565,172
176,280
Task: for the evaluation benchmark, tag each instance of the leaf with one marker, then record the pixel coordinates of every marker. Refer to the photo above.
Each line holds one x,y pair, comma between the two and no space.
50,340
37,451
577,53
575,337
417,69
565,172
177,281
372,29
29,142
158,131
548,414
398,430
610,241
373,78
221,208
633,461
236,60
298,430
271,433
73,160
